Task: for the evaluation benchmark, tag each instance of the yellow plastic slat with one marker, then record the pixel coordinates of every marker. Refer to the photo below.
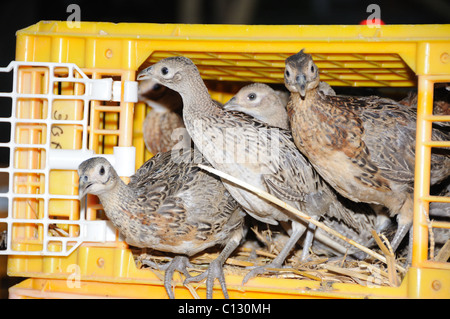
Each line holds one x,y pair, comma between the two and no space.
437,144
436,199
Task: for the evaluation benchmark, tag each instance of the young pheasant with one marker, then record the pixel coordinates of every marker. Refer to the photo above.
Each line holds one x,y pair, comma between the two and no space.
163,126
262,102
266,104
242,146
362,146
169,205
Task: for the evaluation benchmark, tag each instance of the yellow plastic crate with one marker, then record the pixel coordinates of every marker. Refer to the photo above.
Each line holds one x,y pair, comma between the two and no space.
227,56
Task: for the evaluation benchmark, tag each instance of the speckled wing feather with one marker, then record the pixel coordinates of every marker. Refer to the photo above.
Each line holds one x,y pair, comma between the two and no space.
389,133
175,201
387,151
341,136
278,168
267,149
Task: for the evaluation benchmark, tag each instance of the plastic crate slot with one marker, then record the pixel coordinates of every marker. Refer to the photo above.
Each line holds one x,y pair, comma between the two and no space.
5,158
6,80
69,88
5,108
33,80
4,202
29,157
5,128
31,107
30,133
3,236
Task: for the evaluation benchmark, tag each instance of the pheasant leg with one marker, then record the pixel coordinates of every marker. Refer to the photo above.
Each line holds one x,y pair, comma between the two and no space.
308,240
297,232
215,270
401,232
179,263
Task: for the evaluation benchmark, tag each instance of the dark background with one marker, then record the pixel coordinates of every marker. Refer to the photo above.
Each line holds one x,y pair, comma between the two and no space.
18,14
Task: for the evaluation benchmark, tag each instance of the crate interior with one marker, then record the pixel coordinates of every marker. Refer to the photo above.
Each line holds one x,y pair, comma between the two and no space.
224,73
381,74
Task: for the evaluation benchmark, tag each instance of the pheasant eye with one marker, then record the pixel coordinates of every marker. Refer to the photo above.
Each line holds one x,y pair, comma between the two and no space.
164,71
287,73
252,96
102,170
312,68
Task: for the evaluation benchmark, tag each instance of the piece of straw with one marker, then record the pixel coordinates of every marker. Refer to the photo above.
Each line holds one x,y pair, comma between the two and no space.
390,257
192,290
444,253
347,272
294,211
295,271
431,236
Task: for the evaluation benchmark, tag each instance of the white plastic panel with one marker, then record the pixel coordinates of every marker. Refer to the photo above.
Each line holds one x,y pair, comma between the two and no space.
51,157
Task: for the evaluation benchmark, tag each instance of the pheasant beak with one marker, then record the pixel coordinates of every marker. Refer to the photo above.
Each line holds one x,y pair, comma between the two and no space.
145,74
83,185
300,84
231,104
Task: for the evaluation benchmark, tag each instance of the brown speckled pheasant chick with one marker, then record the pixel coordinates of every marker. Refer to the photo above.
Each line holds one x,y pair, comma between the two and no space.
362,146
161,127
169,205
242,146
262,102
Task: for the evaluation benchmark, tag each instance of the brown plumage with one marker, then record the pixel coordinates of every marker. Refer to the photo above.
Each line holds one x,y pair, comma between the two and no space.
164,131
362,146
244,147
163,127
169,205
441,104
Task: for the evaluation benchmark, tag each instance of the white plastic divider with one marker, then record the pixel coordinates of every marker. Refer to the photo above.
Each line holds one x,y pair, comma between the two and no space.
123,158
